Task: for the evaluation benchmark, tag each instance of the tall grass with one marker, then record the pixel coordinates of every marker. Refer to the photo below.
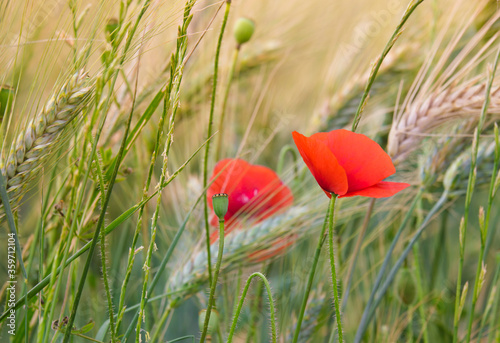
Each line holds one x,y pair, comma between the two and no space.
107,146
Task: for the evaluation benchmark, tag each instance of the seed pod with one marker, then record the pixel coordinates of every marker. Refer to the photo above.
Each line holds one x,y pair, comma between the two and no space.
406,289
221,203
243,30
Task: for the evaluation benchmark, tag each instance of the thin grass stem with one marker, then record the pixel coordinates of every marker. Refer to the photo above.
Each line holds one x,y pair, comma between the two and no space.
165,260
11,223
331,210
468,199
104,270
420,292
483,227
366,313
496,307
373,74
355,254
322,239
392,274
161,322
174,100
234,60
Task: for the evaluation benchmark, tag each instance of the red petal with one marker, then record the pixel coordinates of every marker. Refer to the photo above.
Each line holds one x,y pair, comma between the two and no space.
382,189
228,174
364,161
254,191
322,163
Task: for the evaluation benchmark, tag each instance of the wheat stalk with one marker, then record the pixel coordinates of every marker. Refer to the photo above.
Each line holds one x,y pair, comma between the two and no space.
424,116
35,141
239,246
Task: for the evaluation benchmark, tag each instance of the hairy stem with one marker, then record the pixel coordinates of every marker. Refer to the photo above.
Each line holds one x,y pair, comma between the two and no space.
213,286
242,300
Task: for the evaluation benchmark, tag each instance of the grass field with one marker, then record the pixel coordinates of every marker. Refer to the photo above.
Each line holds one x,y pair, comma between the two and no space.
121,121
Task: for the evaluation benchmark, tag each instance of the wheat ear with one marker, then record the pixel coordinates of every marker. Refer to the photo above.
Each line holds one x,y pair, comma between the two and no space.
239,245
423,116
35,141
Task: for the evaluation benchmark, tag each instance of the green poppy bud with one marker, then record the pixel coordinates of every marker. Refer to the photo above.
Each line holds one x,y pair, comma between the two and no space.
111,30
243,30
213,322
220,203
406,289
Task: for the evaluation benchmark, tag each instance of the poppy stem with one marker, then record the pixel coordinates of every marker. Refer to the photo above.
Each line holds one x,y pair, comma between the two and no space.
331,210
209,132
213,286
322,238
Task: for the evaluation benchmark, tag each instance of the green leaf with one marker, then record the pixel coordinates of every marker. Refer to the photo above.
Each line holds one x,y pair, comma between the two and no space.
6,96
86,328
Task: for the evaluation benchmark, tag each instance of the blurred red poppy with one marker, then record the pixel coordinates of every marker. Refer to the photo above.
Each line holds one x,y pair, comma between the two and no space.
255,192
276,248
348,164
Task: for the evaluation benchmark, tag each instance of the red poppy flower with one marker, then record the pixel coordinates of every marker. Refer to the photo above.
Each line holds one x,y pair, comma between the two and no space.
254,192
348,164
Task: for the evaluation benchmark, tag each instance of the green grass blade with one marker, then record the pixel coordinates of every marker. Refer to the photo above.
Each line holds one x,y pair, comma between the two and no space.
11,223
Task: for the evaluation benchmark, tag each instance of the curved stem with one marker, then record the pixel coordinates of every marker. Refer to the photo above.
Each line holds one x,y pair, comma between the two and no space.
213,286
242,300
281,159
254,313
322,238
331,211
209,134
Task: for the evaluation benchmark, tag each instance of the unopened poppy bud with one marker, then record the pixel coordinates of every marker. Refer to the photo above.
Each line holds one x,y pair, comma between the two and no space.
406,289
111,30
220,203
213,322
243,30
